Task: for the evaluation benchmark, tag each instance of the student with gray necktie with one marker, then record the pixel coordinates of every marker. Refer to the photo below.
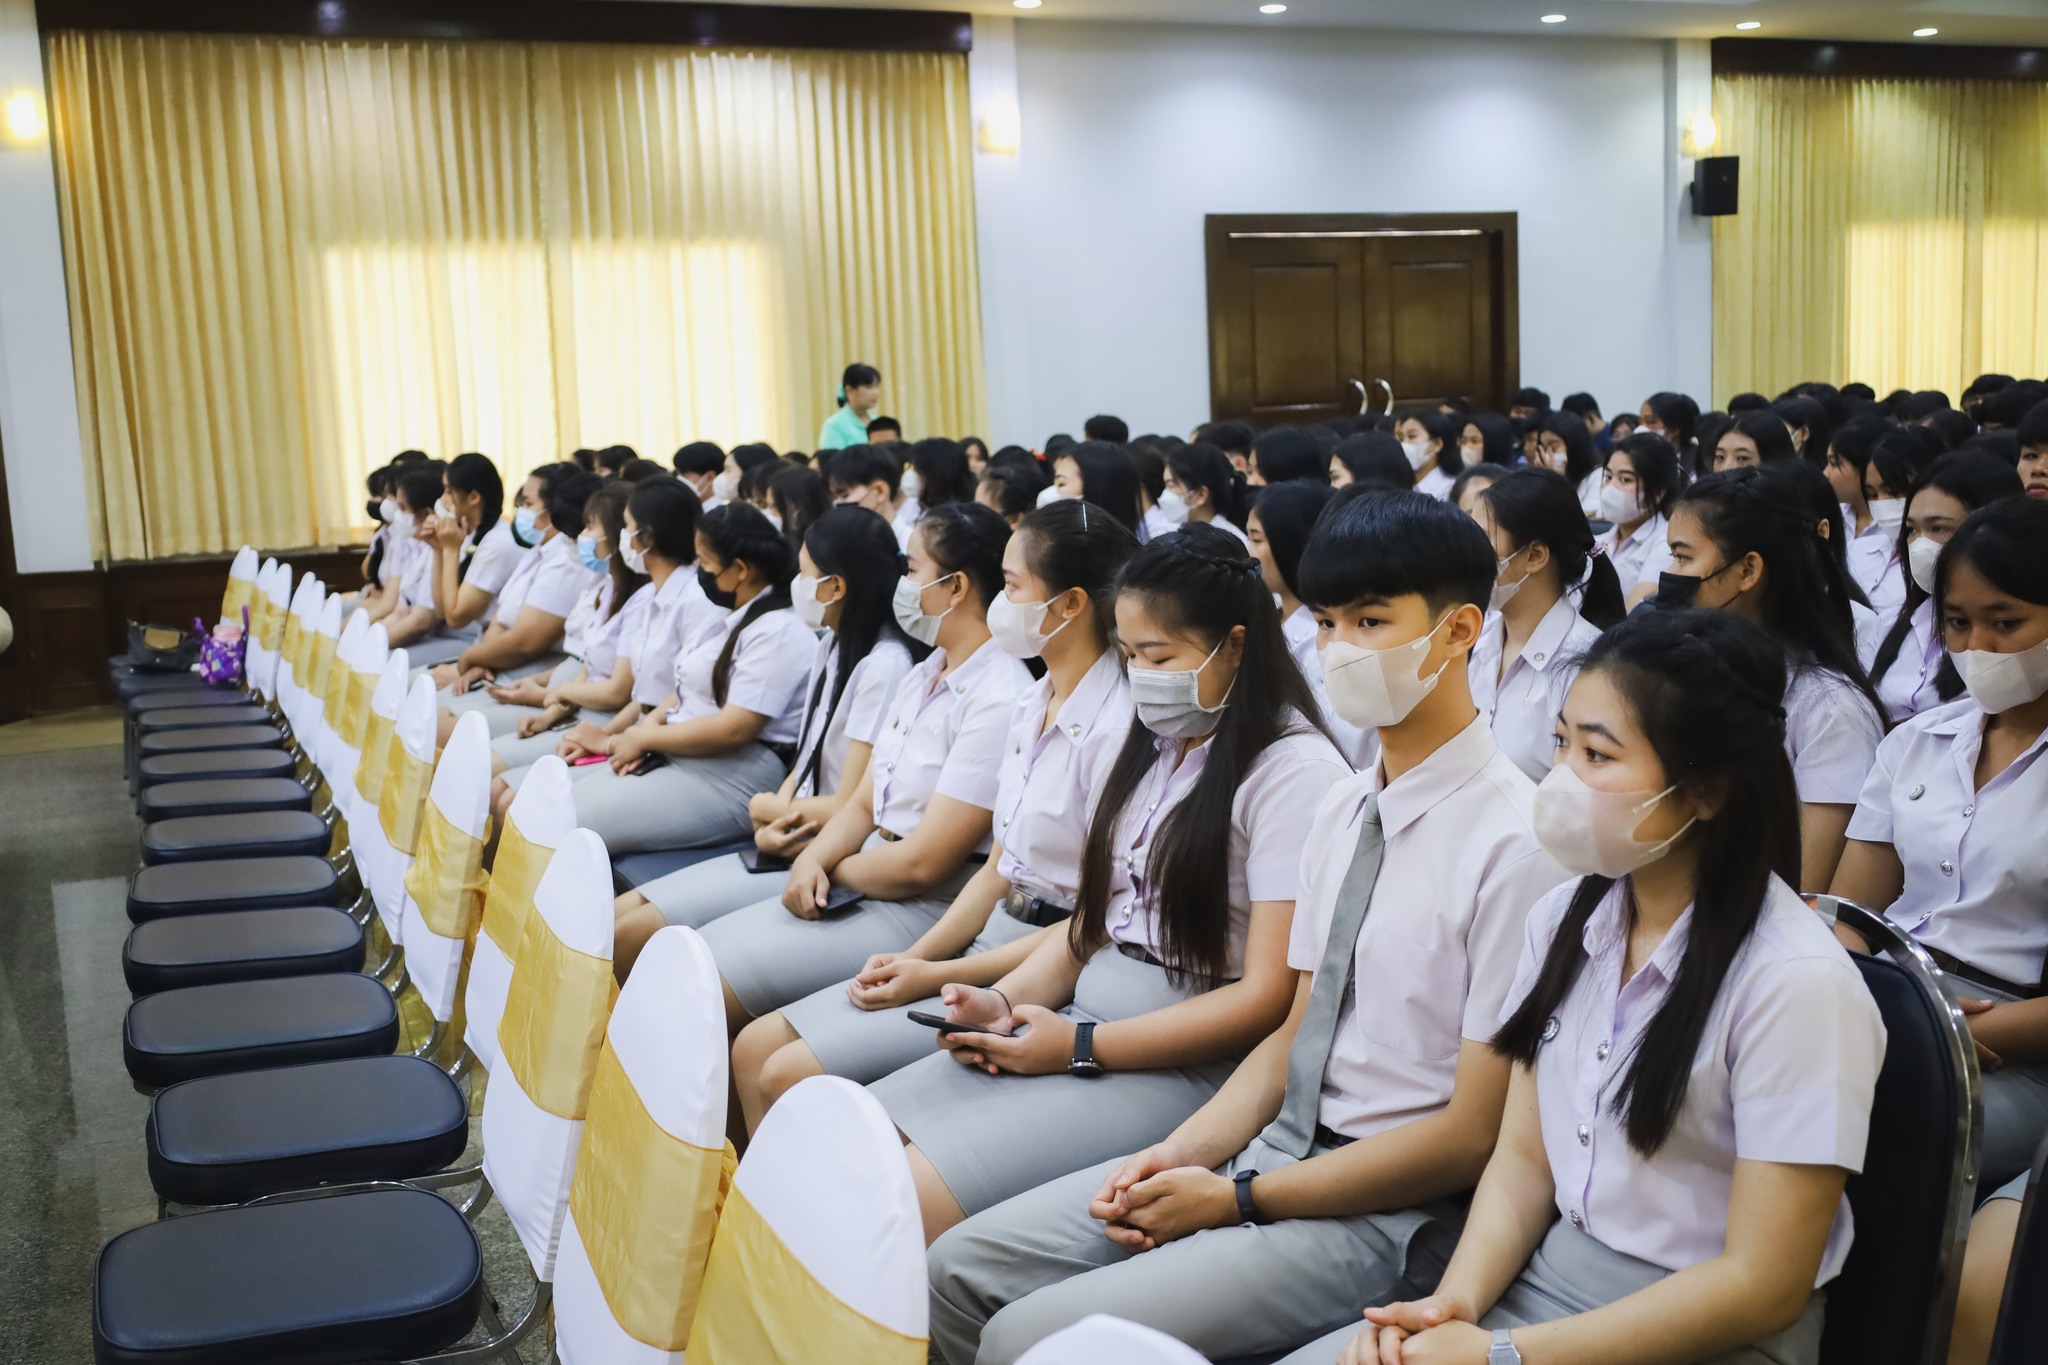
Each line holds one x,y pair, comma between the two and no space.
1327,1172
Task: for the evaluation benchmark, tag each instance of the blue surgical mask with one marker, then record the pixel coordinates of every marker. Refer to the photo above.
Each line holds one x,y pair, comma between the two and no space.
525,525
586,550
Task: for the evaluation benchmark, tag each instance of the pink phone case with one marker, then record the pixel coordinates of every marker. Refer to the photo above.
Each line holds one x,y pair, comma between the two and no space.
589,759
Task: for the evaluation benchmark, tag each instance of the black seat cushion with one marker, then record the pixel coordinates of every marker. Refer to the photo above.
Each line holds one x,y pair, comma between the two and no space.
210,737
197,717
247,1025
181,698
228,1139
135,684
377,1275
637,869
259,834
240,945
221,796
230,884
207,763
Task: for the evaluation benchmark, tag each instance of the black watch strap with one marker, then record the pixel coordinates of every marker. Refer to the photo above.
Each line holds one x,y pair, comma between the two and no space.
1084,1063
1247,1208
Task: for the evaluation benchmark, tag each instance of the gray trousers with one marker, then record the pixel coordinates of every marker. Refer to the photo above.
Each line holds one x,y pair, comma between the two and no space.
1009,1277
1573,1273
683,803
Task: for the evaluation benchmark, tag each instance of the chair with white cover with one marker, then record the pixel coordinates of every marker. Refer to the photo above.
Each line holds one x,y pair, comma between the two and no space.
548,1040
444,887
303,714
352,723
540,818
305,598
326,741
275,583
241,589
255,655
819,1253
1104,1340
653,1168
382,866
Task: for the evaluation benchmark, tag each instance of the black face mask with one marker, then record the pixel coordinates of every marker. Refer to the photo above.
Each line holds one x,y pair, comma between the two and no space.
1677,591
375,507
708,581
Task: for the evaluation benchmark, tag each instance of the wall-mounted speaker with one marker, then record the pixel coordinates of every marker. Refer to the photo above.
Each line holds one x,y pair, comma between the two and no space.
1713,186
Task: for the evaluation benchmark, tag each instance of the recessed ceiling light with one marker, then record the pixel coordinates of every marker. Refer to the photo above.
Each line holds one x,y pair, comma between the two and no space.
1553,18
1748,24
1925,32
1027,4
1272,9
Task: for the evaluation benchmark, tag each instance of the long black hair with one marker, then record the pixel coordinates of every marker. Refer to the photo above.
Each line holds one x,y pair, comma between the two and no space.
858,548
1805,481
470,472
1197,582
1497,444
1108,479
1066,546
1287,513
967,538
1706,690
1444,429
1375,457
739,532
1766,431
2002,541
1680,416
1201,465
667,512
1580,457
1977,482
1537,505
1805,604
1659,479
800,498
607,507
942,472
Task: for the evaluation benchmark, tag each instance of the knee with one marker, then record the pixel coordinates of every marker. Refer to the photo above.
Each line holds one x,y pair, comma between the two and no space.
626,904
501,798
757,1043
787,1065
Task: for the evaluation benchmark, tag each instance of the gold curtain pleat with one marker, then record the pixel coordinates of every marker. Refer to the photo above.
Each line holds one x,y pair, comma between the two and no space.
290,258
1892,231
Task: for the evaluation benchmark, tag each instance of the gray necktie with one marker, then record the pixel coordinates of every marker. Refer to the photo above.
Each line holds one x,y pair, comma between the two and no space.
1293,1131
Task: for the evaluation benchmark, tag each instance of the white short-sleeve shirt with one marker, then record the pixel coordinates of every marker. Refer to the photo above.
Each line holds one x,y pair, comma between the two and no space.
492,559
1913,682
1442,934
1522,701
1642,556
678,617
604,639
550,579
770,661
1051,778
591,604
1785,1072
858,717
1268,829
1436,483
1831,735
1223,523
1975,862
1874,563
944,736
415,560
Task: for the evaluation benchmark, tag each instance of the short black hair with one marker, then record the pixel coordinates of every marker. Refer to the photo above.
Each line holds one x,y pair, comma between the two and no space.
2033,428
856,466
1531,398
1291,453
1232,438
1103,427
885,424
1580,405
700,457
1387,545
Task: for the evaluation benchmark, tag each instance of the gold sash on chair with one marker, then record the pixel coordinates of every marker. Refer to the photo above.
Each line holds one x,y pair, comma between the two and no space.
446,881
294,628
403,799
377,738
236,597
273,624
319,667
339,675
515,872
555,1011
759,1305
355,707
646,1203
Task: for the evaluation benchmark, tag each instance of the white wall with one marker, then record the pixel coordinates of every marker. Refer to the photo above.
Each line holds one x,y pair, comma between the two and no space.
1131,134
38,398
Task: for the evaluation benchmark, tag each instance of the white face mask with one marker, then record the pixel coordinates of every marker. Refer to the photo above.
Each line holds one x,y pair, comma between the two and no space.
1169,700
774,517
387,510
1890,514
1999,682
1375,687
908,604
911,485
1417,453
1015,626
1593,833
1174,507
803,599
1050,494
726,486
1620,505
401,523
1503,593
444,508
635,557
1921,554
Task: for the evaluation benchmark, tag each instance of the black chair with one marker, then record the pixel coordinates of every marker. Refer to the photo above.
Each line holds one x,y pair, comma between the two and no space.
259,834
221,796
1894,1302
248,1025
209,765
167,889
2022,1335
240,945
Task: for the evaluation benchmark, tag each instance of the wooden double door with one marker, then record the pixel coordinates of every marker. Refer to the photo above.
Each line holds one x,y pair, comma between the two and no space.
1305,307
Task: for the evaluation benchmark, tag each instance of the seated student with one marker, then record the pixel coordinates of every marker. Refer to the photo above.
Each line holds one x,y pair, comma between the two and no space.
383,508
1280,527
1694,1056
1486,436
699,464
1288,1199
1946,838
1148,462
2033,439
1102,474
596,680
1751,438
1873,527
1470,483
1909,667
1286,454
797,493
1370,457
1803,484
937,474
914,831
884,431
1740,544
525,633
1173,965
681,775
847,572
1641,481
411,617
1676,418
475,555
1011,490
1564,446
1201,488
730,484
1552,597
1430,441
1062,738
871,477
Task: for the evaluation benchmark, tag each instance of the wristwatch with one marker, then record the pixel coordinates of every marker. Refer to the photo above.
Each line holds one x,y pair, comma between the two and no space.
1503,1352
1084,1063
1247,1207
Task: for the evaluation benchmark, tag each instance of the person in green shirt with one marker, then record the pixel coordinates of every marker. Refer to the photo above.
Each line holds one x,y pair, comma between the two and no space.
860,393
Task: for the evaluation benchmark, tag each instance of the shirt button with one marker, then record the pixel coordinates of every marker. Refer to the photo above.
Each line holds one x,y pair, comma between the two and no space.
1948,869
1578,1221
1539,657
1969,810
1916,793
1585,1136
1600,1052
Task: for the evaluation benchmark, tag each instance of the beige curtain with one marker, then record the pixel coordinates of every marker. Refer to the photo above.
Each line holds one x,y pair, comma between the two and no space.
1891,231
290,259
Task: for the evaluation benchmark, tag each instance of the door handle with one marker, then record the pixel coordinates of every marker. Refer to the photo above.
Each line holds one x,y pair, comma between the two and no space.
1365,395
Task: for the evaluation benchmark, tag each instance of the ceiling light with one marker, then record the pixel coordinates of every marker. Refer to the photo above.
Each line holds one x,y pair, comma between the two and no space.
1272,9
1553,18
1747,24
1925,32
1027,4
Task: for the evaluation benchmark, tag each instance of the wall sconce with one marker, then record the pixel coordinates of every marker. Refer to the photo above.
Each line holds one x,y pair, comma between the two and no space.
22,117
999,129
1698,137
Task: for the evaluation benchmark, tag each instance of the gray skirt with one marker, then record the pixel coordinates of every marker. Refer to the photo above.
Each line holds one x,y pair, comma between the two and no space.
994,1137
866,1045
1572,1272
2015,1108
682,803
711,890
524,753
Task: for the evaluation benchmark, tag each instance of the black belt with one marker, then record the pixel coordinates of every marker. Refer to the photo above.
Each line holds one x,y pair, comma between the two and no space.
1140,954
785,752
1330,1137
1035,911
1956,967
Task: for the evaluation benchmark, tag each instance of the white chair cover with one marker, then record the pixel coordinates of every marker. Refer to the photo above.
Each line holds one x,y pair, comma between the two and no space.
311,723
280,607
244,568
529,1153
371,652
827,1172
288,691
668,1032
383,867
258,663
347,642
544,812
1104,1340
462,791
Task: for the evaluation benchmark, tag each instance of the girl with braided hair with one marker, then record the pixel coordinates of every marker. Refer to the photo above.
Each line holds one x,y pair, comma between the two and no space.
1741,543
1174,963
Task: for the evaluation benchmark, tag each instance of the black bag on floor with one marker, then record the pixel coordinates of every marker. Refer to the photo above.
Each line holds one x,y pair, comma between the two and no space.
161,649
